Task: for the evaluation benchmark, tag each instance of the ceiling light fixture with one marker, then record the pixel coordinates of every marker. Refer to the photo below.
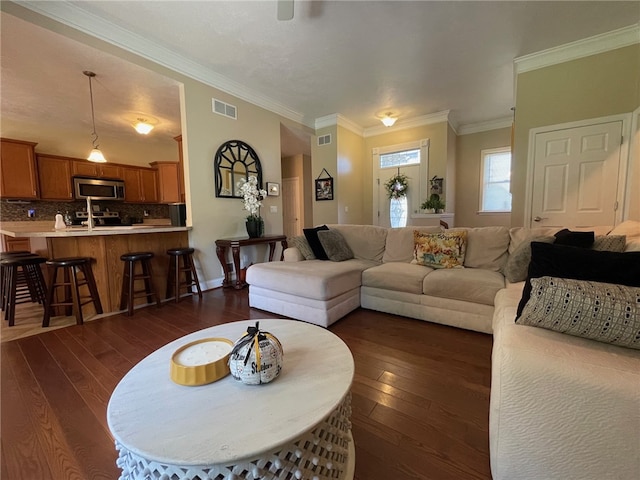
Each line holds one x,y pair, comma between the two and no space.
388,120
143,126
95,155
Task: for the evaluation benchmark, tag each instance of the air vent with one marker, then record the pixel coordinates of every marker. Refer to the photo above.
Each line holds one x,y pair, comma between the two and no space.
222,108
324,139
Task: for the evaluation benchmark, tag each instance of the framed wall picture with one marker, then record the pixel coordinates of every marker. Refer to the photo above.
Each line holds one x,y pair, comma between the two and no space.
273,189
324,189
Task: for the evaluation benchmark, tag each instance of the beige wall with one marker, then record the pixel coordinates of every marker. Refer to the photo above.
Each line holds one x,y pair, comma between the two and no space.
325,156
350,177
468,176
437,134
633,188
590,87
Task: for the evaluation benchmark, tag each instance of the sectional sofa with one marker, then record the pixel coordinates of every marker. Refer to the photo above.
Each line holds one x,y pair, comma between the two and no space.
562,407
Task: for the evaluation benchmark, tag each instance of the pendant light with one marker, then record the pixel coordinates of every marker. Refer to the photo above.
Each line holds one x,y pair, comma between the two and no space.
95,155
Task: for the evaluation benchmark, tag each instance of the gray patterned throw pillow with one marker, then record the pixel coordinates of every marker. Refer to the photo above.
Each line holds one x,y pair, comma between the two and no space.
605,312
335,245
610,243
518,264
301,243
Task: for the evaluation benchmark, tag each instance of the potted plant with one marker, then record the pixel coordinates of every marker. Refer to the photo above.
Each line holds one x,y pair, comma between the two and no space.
252,197
433,204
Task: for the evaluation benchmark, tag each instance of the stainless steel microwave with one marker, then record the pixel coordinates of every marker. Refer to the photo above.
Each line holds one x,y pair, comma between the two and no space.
98,188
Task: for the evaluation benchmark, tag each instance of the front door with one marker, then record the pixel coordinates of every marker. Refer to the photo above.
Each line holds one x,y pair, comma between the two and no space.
575,176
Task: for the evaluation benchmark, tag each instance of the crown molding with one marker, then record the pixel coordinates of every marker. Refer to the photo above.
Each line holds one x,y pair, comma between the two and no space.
432,118
69,14
503,122
604,42
338,120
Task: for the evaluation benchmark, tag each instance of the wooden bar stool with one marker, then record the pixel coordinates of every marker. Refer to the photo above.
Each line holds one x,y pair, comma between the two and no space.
129,294
21,280
72,301
174,281
30,287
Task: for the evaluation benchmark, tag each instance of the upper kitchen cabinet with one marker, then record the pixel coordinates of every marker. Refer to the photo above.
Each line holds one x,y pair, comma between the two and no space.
54,175
84,168
18,169
168,180
140,185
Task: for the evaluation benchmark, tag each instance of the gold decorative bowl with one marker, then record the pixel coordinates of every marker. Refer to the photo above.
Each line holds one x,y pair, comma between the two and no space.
201,362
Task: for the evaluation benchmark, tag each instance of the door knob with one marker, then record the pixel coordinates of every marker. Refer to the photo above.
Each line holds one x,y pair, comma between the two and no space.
537,218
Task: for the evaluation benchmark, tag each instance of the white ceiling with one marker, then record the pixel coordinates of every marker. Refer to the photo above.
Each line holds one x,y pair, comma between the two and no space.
356,59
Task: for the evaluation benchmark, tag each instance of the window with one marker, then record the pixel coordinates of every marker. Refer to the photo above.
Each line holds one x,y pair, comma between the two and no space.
398,159
495,180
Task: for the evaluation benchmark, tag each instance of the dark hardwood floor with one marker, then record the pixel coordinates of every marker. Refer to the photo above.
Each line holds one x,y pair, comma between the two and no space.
420,393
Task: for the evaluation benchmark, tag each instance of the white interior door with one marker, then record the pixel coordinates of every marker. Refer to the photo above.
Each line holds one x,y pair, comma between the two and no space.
575,176
291,207
413,192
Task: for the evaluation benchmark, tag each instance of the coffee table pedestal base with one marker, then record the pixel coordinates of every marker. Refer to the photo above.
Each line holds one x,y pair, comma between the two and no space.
324,453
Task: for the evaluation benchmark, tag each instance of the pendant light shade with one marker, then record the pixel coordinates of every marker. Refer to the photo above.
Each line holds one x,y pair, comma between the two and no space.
95,155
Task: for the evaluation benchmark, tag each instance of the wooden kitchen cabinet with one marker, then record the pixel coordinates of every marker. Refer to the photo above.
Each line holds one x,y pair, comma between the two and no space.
15,244
168,190
18,169
85,168
140,185
54,176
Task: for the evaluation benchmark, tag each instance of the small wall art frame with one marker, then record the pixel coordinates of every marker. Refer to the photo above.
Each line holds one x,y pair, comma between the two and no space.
324,186
273,189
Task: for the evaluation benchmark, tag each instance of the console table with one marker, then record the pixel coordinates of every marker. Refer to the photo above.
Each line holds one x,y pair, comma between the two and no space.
296,427
223,244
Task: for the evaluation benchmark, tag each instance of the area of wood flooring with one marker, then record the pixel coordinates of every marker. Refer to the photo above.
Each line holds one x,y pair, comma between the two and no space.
420,394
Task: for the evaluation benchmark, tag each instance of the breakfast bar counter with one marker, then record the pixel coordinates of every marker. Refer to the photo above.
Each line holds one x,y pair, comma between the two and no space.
105,245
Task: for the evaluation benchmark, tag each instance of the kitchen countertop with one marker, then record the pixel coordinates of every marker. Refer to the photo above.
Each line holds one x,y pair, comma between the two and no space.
46,230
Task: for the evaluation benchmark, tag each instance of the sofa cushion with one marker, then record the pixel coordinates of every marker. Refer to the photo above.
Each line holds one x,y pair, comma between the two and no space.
440,250
315,279
311,235
399,245
580,264
521,234
487,247
474,285
366,241
629,228
518,264
396,276
604,312
334,245
302,244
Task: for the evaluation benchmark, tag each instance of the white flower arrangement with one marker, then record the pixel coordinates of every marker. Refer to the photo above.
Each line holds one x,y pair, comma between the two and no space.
252,196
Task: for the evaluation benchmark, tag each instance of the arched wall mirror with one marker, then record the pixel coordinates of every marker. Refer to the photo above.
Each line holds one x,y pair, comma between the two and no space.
235,160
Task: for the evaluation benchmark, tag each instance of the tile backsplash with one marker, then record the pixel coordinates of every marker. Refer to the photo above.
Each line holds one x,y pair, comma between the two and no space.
133,212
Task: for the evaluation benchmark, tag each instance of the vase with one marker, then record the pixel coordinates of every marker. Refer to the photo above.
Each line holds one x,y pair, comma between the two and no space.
255,227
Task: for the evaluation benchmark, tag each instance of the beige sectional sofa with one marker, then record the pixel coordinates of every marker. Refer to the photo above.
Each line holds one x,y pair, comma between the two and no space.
562,407
382,277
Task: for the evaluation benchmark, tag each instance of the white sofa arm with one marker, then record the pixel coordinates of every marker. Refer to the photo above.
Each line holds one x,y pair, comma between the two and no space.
292,254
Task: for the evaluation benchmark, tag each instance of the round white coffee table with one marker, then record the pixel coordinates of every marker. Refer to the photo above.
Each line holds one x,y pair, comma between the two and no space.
297,426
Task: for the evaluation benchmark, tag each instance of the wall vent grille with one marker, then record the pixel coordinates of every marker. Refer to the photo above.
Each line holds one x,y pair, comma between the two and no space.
324,139
222,108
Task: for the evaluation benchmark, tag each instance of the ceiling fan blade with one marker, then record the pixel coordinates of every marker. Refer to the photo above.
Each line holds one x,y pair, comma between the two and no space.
285,9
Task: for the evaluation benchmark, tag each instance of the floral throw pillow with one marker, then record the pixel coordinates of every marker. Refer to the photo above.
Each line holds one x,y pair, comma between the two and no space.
440,250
